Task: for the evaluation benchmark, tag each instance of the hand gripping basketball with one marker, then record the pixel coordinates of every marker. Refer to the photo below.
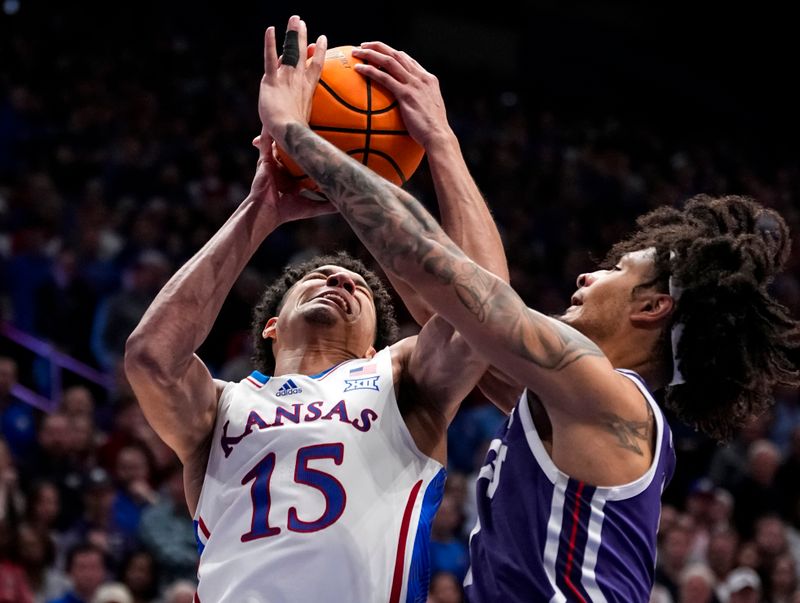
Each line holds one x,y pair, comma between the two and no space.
361,118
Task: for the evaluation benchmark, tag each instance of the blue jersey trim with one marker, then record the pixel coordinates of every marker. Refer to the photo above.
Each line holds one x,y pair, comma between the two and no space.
200,546
326,371
260,377
419,573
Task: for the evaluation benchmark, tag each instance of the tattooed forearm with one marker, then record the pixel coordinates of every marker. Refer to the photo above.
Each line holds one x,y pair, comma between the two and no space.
406,240
631,435
544,341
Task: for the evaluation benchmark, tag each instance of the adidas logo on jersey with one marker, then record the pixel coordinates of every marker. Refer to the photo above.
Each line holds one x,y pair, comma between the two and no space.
288,389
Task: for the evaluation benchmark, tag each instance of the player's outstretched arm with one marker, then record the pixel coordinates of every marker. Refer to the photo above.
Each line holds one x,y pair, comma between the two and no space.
535,350
173,386
465,216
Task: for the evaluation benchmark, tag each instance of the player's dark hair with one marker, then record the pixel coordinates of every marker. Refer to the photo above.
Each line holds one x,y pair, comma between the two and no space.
272,299
738,342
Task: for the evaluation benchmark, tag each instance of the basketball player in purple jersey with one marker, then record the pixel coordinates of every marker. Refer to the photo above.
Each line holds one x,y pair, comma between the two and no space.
569,496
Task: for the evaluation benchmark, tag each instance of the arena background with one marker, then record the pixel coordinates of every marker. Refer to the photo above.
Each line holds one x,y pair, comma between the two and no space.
125,135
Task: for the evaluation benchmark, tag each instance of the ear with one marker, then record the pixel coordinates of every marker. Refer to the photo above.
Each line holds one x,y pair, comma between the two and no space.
271,329
370,352
652,308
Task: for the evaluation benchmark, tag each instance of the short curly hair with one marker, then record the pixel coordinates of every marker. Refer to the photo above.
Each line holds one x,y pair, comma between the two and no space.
738,342
272,300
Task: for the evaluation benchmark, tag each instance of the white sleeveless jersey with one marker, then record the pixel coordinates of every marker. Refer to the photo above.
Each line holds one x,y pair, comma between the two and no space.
316,492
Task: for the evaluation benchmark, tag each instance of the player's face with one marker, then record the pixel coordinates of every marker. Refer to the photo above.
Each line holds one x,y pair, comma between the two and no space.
333,298
604,300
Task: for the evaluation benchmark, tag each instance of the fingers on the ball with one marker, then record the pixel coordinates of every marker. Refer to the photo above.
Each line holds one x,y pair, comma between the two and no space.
381,77
401,57
270,54
379,46
318,60
388,63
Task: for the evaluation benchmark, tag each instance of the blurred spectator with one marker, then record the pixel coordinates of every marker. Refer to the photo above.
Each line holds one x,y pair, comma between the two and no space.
50,458
65,306
448,552
729,465
118,315
44,506
97,524
697,585
12,501
14,586
77,400
112,593
86,568
181,591
721,511
37,556
773,538
134,492
445,588
17,419
140,576
674,555
166,530
782,580
743,586
757,493
786,419
788,480
722,548
699,506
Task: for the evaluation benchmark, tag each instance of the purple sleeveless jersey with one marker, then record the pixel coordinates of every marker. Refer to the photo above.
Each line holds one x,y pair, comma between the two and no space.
543,536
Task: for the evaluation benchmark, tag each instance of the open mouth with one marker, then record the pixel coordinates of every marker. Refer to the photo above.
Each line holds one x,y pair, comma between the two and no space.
337,299
575,301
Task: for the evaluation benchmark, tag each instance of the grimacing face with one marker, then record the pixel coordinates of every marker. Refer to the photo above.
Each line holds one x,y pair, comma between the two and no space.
330,297
602,303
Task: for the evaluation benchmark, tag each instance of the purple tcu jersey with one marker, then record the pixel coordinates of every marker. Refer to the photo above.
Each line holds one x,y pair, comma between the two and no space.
544,536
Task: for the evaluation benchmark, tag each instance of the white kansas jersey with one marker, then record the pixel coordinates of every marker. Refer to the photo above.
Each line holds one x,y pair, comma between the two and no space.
316,492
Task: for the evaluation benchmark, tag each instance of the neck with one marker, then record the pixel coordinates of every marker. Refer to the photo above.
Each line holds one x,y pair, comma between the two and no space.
640,356
309,360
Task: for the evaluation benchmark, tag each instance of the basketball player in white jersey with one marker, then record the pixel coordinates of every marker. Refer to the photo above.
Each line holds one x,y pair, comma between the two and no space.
314,479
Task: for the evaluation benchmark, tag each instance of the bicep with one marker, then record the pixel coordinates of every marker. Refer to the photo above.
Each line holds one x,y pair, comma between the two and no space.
180,408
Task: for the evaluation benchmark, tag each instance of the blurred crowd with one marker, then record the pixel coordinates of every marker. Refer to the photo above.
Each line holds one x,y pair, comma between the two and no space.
118,166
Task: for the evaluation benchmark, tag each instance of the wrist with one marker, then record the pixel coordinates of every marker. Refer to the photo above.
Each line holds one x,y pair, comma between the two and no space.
441,141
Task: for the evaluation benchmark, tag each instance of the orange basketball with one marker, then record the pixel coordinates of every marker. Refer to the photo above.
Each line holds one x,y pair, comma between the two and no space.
361,118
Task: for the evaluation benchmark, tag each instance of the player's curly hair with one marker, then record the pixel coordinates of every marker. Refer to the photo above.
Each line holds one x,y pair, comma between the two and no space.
272,299
737,341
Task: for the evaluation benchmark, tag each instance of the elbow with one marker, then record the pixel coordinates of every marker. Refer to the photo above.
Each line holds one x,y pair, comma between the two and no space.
143,360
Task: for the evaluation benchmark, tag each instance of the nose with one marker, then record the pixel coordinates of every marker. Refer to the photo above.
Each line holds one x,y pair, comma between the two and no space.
586,279
343,280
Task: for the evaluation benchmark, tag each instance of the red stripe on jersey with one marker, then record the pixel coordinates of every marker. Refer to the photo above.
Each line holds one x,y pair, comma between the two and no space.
254,382
196,598
570,554
399,562
203,528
